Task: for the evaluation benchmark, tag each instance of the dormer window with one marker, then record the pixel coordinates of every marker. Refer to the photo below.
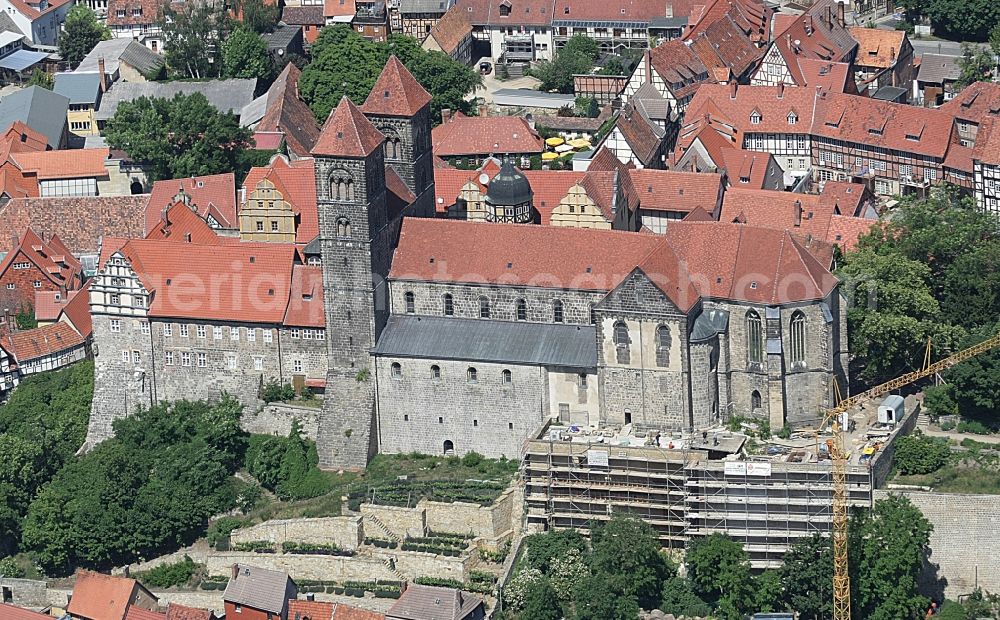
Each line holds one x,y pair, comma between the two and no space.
874,131
755,118
792,118
505,10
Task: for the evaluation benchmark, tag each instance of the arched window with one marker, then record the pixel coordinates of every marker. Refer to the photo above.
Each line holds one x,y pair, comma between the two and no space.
797,338
557,311
449,305
755,338
621,342
397,371
663,342
343,227
341,186
484,308
435,372
410,302
755,402
505,377
449,447
522,310
472,375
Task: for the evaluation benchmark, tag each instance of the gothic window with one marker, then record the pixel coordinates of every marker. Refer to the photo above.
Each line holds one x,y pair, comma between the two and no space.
397,371
484,308
506,377
343,227
409,301
755,402
341,186
663,342
522,310
557,311
797,338
621,342
755,338
449,305
435,372
472,375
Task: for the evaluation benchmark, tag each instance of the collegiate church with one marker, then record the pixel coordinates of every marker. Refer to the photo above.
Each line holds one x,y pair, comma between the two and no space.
439,335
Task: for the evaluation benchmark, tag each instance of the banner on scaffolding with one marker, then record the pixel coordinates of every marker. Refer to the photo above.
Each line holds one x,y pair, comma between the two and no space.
747,469
597,458
758,469
735,469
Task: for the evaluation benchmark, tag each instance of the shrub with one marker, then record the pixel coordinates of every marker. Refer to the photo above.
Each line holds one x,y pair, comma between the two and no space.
168,575
785,432
275,392
437,581
9,568
973,426
256,546
919,454
220,530
948,425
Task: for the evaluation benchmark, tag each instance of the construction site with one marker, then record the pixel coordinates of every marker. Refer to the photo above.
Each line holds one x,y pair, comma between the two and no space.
764,493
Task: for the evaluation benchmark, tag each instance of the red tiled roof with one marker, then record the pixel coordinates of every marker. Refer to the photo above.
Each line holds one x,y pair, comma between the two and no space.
876,47
96,595
52,258
773,103
752,16
847,198
77,311
10,612
310,610
305,300
484,135
48,304
679,66
987,148
182,612
347,133
303,15
812,36
297,179
78,221
752,165
723,261
65,164
671,190
724,45
339,8
190,280
218,190
138,613
845,230
451,30
23,139
639,134
833,76
396,92
148,12
346,612
287,115
180,223
975,102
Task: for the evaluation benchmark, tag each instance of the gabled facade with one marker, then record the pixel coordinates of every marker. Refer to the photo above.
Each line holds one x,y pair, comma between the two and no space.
673,69
36,265
818,34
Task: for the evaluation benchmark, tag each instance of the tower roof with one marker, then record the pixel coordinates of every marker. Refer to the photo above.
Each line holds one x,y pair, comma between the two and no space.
347,133
509,187
396,92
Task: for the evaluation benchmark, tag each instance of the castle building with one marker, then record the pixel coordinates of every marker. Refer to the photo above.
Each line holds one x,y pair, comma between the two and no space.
446,336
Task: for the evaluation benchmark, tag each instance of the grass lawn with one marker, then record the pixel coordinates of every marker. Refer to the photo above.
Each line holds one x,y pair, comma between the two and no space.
400,479
969,472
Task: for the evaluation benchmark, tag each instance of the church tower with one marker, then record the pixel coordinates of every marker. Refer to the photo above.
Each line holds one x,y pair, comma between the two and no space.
356,247
399,107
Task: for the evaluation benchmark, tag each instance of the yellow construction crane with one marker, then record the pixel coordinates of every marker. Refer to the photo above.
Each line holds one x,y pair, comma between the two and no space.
838,456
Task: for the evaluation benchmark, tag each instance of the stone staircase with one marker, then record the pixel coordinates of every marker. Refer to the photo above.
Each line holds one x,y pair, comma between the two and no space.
392,569
383,528
923,420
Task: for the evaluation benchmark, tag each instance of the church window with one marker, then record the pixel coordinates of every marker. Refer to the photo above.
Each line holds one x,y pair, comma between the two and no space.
343,227
484,308
557,311
755,401
408,299
506,378
797,338
397,371
435,372
341,186
621,342
449,305
755,338
472,375
663,342
522,310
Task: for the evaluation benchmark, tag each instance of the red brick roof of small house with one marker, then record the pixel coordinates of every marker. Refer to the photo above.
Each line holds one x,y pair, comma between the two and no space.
725,45
215,193
180,223
51,258
49,304
347,133
773,103
692,260
451,30
878,48
976,102
64,164
987,149
833,76
325,610
485,135
10,612
183,612
297,182
698,214
149,10
847,198
396,92
32,344
97,596
24,139
751,165
138,613
78,221
14,183
640,135
305,300
77,311
672,190
288,115
677,63
339,8
303,15
815,36
751,16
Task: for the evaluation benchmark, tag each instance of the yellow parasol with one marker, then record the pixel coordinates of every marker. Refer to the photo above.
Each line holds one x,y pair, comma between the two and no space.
554,141
549,156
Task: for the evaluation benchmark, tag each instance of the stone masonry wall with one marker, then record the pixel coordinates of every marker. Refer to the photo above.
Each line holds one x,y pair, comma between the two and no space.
358,568
276,419
401,521
420,413
25,592
345,532
964,544
488,522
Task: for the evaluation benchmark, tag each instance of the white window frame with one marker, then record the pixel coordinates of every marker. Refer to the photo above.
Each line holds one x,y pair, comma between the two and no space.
115,325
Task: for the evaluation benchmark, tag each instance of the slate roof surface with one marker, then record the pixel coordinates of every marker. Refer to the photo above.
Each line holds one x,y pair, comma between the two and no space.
79,221
116,51
938,68
224,95
487,341
260,589
38,108
79,88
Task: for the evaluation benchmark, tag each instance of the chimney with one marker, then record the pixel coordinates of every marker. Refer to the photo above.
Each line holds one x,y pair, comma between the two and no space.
892,54
781,89
310,597
101,75
798,213
829,16
808,24
733,86
445,115
163,216
670,9
235,571
840,15
484,111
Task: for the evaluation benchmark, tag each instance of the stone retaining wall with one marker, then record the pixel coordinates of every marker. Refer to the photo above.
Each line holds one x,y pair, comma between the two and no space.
491,523
366,567
25,592
276,419
401,521
345,532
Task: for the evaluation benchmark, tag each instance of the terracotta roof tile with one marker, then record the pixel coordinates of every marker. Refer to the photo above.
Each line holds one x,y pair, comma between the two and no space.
347,133
987,148
484,135
180,223
679,66
148,11
752,16
65,164
10,612
99,596
752,165
79,221
346,612
182,612
339,8
396,92
642,137
812,36
51,258
298,178
288,115
218,190
671,190
975,102
77,311
876,47
833,76
303,15
22,138
48,304
848,199
138,613
310,610
724,44
451,30
305,300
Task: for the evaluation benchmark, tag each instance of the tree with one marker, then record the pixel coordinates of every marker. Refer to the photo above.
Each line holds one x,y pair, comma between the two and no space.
679,599
768,591
919,454
565,571
887,546
995,40
963,20
180,137
627,553
719,570
976,382
344,63
80,33
516,593
807,577
613,66
257,15
543,549
952,611
40,78
541,602
940,400
977,64
244,55
595,600
192,33
576,57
